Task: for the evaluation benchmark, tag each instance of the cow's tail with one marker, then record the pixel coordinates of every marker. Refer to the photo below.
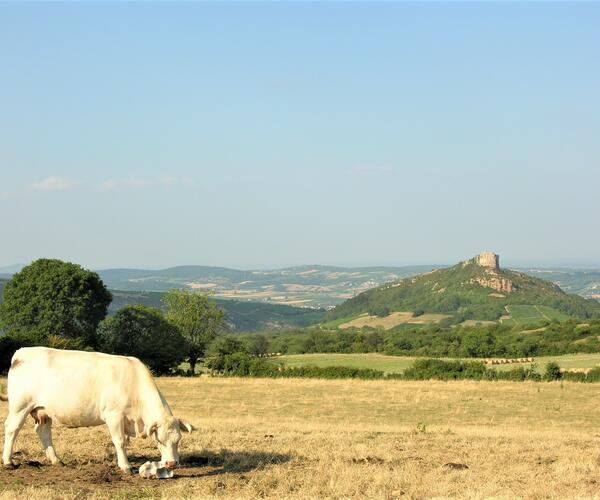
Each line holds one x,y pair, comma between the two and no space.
3,397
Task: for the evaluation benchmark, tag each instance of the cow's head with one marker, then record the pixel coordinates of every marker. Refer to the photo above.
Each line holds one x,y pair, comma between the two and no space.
167,435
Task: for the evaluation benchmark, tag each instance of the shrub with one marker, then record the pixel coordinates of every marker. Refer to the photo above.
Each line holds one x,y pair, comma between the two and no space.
331,372
552,371
220,349
519,374
593,375
425,369
379,310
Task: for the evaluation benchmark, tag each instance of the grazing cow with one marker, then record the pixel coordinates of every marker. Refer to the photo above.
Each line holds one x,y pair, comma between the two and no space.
85,389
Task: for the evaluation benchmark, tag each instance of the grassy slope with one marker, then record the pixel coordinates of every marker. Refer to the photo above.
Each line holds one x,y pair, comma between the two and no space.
342,439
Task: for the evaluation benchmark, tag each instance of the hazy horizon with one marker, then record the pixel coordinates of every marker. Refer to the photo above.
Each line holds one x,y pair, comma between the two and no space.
268,135
513,264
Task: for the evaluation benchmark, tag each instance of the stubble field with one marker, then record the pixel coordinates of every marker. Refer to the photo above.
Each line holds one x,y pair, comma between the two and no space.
363,439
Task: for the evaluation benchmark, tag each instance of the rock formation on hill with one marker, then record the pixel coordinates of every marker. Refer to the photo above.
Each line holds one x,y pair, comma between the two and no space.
488,259
477,288
491,278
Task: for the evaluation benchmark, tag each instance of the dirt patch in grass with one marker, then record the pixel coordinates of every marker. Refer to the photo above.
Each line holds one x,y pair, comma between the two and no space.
83,477
90,475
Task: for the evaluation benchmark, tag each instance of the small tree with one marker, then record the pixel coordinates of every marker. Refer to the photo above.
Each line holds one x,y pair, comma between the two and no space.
552,371
54,298
221,349
259,345
143,332
379,310
198,319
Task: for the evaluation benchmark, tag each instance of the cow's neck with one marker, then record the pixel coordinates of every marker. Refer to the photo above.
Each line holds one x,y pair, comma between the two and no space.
155,407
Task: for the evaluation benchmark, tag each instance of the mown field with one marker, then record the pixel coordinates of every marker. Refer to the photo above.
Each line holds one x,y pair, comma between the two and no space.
394,364
299,438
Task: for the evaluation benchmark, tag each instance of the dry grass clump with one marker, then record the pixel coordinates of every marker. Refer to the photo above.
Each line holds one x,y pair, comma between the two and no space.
339,439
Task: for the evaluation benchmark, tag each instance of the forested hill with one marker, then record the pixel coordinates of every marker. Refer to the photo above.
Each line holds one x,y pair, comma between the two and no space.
475,289
240,315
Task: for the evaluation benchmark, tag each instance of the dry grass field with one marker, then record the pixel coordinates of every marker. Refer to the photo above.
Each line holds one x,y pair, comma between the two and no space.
342,439
387,322
392,320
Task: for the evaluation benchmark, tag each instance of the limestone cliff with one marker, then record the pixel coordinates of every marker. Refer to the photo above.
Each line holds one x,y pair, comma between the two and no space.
492,279
488,259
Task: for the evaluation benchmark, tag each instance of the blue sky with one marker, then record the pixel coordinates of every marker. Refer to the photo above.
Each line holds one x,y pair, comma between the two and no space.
261,135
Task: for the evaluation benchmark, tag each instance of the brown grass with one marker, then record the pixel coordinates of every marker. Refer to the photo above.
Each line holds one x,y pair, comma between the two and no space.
340,439
475,322
386,322
392,320
427,318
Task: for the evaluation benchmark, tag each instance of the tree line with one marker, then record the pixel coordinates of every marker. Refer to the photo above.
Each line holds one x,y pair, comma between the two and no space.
479,341
62,305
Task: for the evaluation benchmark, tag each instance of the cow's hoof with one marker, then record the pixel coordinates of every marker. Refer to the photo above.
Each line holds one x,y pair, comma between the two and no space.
58,464
10,466
127,471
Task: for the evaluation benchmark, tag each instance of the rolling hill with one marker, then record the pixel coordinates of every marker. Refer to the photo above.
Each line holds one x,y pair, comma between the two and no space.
240,315
307,286
473,290
584,282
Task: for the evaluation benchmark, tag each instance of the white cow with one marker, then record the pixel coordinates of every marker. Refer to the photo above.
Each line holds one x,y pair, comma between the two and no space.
84,389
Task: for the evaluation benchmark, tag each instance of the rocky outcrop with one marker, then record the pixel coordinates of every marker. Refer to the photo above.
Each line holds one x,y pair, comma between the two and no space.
491,276
495,283
488,259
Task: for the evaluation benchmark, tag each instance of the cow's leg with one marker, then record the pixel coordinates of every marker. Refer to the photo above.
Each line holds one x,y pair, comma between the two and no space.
116,428
12,426
43,428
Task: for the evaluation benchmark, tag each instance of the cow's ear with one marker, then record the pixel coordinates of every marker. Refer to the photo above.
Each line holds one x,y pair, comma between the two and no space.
185,426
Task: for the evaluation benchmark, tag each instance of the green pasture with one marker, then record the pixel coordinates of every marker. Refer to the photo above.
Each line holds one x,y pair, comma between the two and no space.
394,364
388,364
528,314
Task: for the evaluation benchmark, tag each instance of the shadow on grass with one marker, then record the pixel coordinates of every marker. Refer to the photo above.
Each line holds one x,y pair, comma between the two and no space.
221,462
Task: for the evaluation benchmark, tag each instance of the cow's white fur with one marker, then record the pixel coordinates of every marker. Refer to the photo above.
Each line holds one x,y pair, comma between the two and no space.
84,389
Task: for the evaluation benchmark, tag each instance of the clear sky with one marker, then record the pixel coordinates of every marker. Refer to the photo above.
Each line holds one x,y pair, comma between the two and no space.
258,135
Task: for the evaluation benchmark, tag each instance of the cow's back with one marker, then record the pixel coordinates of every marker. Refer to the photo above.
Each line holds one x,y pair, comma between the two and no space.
76,388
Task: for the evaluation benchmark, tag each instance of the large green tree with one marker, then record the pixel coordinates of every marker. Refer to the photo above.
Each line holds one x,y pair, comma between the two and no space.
198,318
54,302
143,332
